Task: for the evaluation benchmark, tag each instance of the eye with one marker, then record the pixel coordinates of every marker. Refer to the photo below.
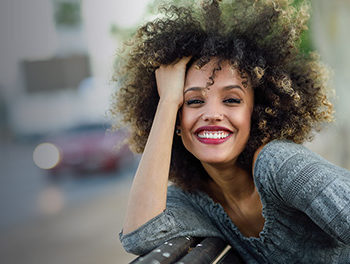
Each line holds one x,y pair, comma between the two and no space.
194,102
232,101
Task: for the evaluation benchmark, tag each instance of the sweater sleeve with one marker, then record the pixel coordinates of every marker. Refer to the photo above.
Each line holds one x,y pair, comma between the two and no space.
303,180
180,218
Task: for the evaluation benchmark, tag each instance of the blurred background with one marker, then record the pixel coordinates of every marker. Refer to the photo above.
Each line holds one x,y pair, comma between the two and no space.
63,183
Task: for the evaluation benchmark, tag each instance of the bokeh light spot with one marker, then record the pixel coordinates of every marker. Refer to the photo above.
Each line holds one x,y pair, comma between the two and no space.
46,156
50,201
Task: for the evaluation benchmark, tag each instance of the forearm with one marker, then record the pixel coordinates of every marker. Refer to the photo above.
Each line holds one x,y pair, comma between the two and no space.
148,193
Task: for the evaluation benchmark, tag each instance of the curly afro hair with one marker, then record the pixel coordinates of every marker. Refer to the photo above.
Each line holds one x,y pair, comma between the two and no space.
259,38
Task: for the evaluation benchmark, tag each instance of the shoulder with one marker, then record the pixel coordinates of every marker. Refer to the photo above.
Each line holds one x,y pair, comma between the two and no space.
284,170
177,195
278,153
279,149
197,208
280,162
190,201
190,212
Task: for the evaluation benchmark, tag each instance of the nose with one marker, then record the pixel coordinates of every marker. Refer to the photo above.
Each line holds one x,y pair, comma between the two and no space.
212,117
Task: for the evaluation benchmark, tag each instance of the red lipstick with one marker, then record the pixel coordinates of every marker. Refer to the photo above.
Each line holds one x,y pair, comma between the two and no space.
213,134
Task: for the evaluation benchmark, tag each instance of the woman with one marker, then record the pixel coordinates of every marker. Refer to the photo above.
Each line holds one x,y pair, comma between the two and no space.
218,98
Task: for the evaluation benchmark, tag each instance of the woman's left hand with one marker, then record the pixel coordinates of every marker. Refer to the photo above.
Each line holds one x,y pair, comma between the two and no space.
170,81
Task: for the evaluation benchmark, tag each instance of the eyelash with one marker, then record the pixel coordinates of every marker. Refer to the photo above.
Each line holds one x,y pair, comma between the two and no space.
194,101
233,101
229,101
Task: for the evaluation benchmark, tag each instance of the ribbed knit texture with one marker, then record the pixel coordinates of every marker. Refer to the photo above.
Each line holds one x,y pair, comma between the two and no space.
306,206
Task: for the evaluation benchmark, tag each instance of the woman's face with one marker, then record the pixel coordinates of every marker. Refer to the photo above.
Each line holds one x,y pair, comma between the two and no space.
215,121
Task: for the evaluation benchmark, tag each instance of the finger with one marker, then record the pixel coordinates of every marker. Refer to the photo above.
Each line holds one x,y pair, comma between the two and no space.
185,60
181,61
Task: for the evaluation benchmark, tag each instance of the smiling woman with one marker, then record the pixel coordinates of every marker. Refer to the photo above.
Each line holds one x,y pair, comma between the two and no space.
219,99
215,113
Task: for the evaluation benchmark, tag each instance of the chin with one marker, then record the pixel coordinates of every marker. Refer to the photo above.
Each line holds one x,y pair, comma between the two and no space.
216,159
221,154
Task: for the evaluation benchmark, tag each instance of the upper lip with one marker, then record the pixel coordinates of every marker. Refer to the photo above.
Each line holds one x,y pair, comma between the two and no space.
212,128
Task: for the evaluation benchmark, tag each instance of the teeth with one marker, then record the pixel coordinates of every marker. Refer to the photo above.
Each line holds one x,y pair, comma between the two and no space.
213,134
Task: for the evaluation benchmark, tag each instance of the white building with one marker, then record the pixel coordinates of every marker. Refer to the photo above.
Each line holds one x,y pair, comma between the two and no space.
29,33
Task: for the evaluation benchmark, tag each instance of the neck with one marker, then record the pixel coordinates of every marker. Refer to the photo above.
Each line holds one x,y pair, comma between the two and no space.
230,183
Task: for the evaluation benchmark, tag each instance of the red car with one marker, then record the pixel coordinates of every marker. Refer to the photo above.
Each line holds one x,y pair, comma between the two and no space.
84,148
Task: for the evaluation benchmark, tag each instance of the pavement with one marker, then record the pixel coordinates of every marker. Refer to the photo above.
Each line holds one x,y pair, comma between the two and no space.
75,221
86,233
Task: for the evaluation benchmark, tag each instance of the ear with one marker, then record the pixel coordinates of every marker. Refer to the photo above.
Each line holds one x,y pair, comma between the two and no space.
178,129
178,119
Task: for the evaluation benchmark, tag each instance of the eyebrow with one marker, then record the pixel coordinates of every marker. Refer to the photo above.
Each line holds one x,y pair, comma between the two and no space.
194,89
235,86
228,87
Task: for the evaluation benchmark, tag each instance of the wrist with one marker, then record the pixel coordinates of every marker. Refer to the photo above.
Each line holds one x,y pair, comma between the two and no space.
170,103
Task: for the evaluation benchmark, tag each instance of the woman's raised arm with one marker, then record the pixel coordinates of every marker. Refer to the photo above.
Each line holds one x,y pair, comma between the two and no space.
148,193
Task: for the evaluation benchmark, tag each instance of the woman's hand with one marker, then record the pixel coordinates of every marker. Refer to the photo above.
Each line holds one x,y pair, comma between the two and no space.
153,171
170,81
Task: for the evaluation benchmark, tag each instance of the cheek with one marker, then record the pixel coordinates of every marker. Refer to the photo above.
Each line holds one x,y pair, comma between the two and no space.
242,120
186,120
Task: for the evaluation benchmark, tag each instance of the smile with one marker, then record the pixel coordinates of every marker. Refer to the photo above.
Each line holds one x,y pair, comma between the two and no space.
212,134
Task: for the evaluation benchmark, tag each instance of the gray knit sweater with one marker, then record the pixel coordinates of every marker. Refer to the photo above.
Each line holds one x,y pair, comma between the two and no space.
306,206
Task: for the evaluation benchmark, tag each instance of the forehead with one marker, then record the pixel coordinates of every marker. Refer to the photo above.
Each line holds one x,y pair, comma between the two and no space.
223,76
